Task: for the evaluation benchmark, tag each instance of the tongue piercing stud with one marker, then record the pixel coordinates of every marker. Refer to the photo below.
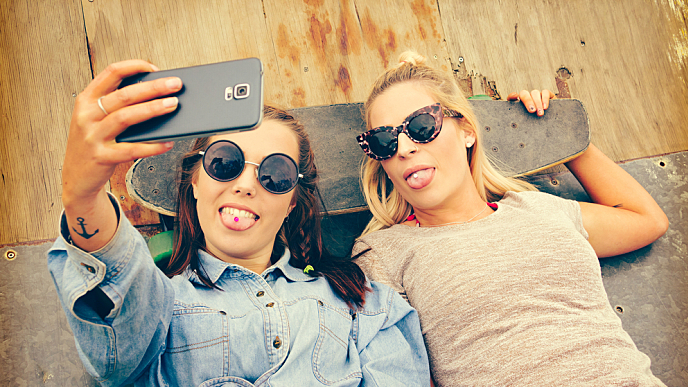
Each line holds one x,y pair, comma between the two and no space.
236,219
415,175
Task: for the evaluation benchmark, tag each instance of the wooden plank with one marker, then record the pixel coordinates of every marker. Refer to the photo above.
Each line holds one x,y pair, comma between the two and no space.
626,62
331,51
43,65
315,52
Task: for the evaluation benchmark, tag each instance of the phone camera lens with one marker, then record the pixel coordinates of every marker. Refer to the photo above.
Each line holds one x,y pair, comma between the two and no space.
241,91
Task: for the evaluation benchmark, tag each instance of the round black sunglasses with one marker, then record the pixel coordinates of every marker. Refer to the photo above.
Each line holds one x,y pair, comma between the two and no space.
224,161
421,126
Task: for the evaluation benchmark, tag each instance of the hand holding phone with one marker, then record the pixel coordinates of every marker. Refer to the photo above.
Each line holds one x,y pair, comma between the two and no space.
215,98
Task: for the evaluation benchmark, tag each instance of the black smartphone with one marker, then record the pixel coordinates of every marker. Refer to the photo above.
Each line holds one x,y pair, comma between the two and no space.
215,98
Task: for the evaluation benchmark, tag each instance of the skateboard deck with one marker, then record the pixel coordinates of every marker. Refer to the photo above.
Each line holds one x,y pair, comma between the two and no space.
517,143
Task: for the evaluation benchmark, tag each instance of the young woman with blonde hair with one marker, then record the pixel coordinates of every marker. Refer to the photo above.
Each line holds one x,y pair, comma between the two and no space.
506,280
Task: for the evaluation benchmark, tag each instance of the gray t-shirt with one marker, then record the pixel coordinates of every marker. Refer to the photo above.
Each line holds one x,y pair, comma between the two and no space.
515,298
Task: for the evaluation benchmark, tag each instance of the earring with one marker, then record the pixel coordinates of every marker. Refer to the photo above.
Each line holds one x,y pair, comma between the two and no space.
469,144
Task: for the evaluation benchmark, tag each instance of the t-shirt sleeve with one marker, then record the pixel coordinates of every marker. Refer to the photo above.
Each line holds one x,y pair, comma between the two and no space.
374,268
570,208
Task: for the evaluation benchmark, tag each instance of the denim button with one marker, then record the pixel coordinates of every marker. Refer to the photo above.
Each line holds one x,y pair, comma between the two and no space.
260,294
270,305
89,268
222,312
277,343
320,303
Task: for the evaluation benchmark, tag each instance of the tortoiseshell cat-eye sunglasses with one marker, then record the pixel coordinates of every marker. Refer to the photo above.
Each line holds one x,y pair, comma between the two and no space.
422,126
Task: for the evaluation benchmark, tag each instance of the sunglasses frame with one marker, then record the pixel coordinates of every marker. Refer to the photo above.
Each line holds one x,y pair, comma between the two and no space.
435,111
299,176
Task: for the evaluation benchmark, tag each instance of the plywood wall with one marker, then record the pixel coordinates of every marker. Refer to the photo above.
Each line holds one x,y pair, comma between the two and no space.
627,62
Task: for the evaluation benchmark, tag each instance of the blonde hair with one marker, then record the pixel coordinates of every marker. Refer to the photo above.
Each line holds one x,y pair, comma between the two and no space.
384,201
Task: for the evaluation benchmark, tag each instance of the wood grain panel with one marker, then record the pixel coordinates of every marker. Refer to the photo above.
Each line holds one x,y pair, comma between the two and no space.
627,62
43,65
330,51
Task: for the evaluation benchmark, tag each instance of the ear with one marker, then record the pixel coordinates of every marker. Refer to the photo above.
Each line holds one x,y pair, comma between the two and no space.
194,186
469,138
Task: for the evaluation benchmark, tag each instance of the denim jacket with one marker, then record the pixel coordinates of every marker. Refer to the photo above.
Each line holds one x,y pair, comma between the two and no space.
279,328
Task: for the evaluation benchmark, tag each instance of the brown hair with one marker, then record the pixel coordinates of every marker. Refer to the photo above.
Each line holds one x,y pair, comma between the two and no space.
385,202
300,232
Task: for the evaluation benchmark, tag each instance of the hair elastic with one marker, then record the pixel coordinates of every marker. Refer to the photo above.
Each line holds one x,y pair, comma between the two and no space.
308,269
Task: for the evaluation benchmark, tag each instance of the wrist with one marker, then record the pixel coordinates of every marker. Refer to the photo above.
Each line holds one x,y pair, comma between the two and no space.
81,201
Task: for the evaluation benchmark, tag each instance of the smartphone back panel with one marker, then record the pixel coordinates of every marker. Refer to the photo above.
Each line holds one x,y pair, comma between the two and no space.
215,98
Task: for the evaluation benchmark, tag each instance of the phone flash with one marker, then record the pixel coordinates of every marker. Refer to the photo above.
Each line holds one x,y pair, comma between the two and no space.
229,92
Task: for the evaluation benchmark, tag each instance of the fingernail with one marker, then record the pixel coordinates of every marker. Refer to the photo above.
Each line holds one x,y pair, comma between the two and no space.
541,112
168,144
169,102
154,67
532,108
173,83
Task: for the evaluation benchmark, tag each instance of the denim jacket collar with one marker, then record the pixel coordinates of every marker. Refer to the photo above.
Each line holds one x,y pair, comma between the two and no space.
214,268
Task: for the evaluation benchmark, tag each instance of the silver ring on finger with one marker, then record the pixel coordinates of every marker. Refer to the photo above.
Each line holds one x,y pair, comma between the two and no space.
100,105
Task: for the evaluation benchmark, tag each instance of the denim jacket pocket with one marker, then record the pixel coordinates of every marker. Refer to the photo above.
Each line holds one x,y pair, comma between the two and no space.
199,335
335,358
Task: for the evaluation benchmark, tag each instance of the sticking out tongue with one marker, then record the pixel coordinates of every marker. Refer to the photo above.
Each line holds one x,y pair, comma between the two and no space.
236,223
420,179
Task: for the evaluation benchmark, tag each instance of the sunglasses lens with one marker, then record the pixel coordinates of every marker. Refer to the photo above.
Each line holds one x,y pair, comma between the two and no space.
223,161
421,128
278,174
382,144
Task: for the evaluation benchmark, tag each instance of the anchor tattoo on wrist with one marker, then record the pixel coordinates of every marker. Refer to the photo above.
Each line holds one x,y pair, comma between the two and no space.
84,234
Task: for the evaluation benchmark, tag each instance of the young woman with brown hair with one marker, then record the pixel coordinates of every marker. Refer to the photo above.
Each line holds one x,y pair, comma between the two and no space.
250,297
506,280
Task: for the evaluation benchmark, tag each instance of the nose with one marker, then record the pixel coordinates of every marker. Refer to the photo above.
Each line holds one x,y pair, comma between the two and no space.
245,184
405,147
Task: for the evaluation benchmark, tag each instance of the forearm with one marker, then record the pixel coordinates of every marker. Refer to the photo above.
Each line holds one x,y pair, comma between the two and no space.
122,277
608,184
625,216
92,220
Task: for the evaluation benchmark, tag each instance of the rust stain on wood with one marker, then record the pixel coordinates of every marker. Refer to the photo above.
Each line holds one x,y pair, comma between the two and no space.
343,80
298,98
318,32
349,37
426,18
384,42
285,49
314,3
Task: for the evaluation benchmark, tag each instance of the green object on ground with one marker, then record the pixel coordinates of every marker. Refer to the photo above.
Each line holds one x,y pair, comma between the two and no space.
480,97
160,246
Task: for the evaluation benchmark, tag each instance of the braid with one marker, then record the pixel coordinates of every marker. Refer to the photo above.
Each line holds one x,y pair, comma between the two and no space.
301,231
